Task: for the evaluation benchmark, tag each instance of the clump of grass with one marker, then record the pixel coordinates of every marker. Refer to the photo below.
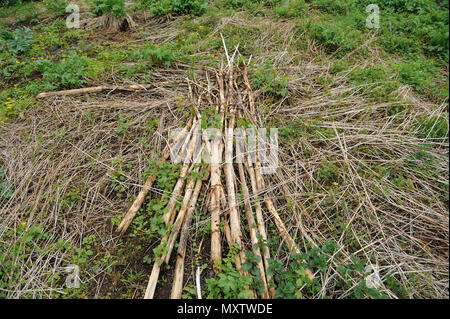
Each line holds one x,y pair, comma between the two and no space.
377,81
289,9
335,36
56,7
417,73
178,7
112,14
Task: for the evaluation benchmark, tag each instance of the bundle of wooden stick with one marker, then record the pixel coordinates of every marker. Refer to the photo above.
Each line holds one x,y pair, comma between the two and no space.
231,94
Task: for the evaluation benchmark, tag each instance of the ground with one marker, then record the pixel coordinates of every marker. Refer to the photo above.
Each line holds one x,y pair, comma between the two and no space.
363,132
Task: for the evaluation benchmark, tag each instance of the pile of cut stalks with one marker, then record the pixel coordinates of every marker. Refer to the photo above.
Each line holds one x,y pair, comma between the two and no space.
230,93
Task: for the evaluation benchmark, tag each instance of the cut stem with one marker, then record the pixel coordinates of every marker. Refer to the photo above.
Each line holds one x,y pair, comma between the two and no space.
252,228
177,284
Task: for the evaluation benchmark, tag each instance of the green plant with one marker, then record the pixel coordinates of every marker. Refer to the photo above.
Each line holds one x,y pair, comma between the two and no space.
70,198
328,173
250,265
292,8
415,27
195,7
210,118
83,254
118,175
336,36
162,7
236,3
333,6
18,252
116,8
229,284
269,80
399,6
253,4
417,73
6,191
166,174
149,223
11,3
189,292
17,41
355,271
376,81
291,280
162,55
122,125
57,7
68,73
435,127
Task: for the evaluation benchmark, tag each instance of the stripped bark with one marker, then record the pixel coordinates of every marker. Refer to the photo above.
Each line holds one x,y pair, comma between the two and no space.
177,284
252,228
169,214
236,234
216,246
216,160
96,89
227,230
151,286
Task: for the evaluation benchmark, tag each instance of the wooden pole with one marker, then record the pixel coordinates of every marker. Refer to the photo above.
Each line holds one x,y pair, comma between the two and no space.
96,89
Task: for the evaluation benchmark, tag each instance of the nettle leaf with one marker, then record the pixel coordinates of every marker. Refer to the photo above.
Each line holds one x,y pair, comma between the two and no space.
18,41
289,287
251,257
6,35
226,283
255,271
275,266
247,266
245,294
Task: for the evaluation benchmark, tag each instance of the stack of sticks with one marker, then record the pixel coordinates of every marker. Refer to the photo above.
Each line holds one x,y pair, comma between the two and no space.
231,94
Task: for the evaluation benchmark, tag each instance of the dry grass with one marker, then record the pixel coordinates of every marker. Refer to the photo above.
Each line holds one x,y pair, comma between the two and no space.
401,229
70,146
